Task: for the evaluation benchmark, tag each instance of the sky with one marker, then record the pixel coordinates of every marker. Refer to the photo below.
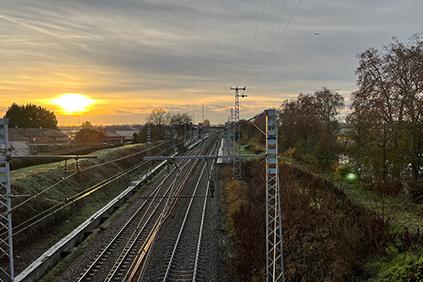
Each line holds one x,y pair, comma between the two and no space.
131,56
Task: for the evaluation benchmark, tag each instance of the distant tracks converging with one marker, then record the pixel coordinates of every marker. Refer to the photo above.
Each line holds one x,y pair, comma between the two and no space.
119,260
183,263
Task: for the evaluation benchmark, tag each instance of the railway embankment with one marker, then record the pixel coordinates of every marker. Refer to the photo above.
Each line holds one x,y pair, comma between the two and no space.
51,201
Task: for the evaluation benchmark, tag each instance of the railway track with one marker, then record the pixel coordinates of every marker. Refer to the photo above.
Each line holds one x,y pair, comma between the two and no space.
180,248
136,233
183,262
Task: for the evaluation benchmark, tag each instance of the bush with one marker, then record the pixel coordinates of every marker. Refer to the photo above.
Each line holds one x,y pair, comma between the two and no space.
405,267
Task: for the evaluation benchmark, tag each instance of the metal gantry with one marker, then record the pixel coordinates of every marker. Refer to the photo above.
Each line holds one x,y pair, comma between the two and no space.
6,241
237,170
274,242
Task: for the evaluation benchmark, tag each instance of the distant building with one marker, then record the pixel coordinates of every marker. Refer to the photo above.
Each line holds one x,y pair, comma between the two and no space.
38,136
119,134
112,138
24,140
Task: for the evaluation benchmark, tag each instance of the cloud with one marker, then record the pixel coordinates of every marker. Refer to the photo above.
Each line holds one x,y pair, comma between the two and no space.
182,54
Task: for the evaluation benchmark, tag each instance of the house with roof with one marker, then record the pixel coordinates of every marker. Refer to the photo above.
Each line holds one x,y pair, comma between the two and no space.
24,140
119,134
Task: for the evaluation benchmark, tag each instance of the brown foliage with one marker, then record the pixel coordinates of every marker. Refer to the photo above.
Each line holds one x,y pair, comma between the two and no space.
326,237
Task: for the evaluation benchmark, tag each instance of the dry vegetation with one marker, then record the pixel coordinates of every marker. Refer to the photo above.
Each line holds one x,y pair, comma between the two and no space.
326,236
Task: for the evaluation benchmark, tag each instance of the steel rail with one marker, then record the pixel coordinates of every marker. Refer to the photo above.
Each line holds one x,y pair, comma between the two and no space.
183,225
200,236
137,234
127,224
121,231
138,265
134,267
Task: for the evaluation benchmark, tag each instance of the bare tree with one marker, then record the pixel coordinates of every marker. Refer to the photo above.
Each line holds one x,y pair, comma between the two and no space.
157,117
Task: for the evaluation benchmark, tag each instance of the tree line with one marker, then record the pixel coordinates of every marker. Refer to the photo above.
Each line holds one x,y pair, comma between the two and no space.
164,124
161,122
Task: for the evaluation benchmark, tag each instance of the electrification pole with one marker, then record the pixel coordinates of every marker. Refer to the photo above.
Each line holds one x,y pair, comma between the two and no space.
149,142
236,165
6,242
274,254
231,126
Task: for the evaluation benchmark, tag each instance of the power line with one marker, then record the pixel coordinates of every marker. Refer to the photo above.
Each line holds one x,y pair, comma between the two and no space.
258,71
250,48
74,198
269,35
33,197
286,26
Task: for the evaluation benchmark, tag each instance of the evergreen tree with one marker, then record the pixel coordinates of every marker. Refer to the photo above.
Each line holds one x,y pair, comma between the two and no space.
30,116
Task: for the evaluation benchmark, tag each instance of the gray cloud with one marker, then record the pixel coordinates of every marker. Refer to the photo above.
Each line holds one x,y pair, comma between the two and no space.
192,49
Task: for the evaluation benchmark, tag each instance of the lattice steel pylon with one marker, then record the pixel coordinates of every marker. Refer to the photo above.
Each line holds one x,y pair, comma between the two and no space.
6,240
274,242
236,164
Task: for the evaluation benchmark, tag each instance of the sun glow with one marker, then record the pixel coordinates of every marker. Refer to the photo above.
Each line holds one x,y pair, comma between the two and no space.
72,103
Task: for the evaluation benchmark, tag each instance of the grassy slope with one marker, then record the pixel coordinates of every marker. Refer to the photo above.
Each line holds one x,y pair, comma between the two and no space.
399,211
31,180
101,155
400,263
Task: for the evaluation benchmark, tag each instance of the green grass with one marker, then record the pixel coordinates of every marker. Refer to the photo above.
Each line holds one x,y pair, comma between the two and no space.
101,154
402,215
397,266
400,211
31,180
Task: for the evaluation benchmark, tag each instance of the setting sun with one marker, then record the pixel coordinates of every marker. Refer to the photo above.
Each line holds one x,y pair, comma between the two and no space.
73,103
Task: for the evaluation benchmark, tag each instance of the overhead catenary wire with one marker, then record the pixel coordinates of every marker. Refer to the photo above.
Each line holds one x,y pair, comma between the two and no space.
251,45
74,198
35,196
258,70
70,200
269,35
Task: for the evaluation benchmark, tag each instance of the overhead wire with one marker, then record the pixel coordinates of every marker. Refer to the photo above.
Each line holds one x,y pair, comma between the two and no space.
258,71
68,201
269,35
74,198
36,195
251,45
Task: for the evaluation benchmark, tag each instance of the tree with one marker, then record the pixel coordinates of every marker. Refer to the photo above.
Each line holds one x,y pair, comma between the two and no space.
30,116
155,132
157,117
89,136
87,124
206,123
386,122
308,125
180,121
